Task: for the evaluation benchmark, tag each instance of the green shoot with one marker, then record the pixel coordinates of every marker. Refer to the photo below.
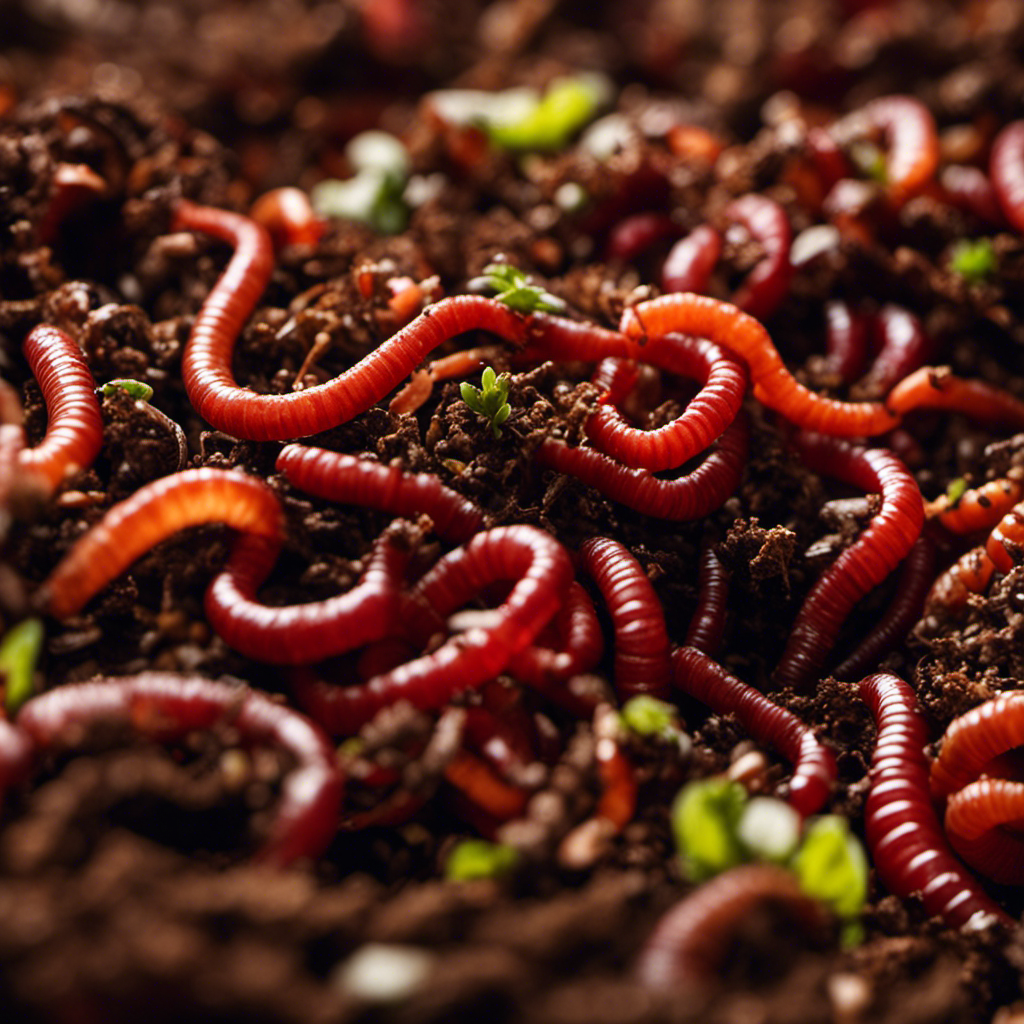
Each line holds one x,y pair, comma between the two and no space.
648,716
563,110
136,388
870,160
19,652
956,490
490,400
513,287
973,260
705,817
475,858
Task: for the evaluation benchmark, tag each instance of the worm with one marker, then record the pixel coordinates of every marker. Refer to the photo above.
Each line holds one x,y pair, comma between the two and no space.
933,387
846,340
356,481
970,189
1006,169
473,777
542,571
154,513
300,634
774,385
288,216
685,498
767,284
74,431
632,237
814,766
907,844
164,707
876,553
708,622
562,340
686,950
690,262
74,186
206,367
980,508
904,347
457,365
974,816
912,143
723,385
641,640
916,577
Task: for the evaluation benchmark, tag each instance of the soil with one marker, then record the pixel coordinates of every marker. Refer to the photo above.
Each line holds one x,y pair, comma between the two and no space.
126,890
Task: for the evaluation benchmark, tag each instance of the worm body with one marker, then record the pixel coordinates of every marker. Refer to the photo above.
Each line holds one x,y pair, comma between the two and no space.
904,347
165,707
767,284
774,385
876,553
1006,168
690,262
288,216
912,143
846,340
707,625
814,764
903,833
936,388
970,189
980,508
633,236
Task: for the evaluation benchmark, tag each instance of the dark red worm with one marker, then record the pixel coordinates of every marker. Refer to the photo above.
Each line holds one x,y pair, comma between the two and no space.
473,777
164,708
774,385
74,431
685,498
641,640
632,237
912,143
975,816
846,340
933,387
206,367
969,189
980,508
907,844
288,216
767,284
827,156
542,572
1006,168
880,548
152,514
691,261
723,385
299,634
814,766
916,577
687,949
355,481
707,625
74,186
904,347
562,340
16,750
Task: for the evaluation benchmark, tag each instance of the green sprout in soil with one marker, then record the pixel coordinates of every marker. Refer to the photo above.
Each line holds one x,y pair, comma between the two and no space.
135,388
648,716
973,260
514,288
19,652
490,400
956,490
476,858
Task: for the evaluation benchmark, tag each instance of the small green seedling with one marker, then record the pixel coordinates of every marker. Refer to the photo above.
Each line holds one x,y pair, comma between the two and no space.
568,104
705,819
514,288
490,400
136,388
956,490
648,716
973,260
476,858
19,652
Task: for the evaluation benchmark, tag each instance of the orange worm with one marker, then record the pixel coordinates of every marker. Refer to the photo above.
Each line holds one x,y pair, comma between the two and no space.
980,508
933,387
289,216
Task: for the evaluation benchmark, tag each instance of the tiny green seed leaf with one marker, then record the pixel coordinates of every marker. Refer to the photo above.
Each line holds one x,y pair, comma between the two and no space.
475,858
19,652
705,816
138,390
974,259
648,716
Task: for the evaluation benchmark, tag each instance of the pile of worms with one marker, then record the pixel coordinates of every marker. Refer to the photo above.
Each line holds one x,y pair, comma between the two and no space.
455,609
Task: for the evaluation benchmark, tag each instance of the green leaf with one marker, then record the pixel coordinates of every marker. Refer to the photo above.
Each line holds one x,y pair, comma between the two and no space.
487,379
372,197
956,490
705,816
472,397
19,652
648,716
501,415
490,400
831,866
475,858
568,105
136,388
513,287
974,260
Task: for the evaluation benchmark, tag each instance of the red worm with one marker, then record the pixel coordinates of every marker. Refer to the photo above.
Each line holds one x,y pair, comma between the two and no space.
912,143
904,347
767,284
814,766
980,508
916,577
288,216
562,340
708,623
846,340
74,186
828,158
774,385
974,819
970,189
16,751
356,481
152,514
690,262
713,408
458,365
1006,168
878,550
641,640
636,234
689,945
482,787
164,708
299,634
685,498
934,387
74,433
542,571
206,367
902,830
